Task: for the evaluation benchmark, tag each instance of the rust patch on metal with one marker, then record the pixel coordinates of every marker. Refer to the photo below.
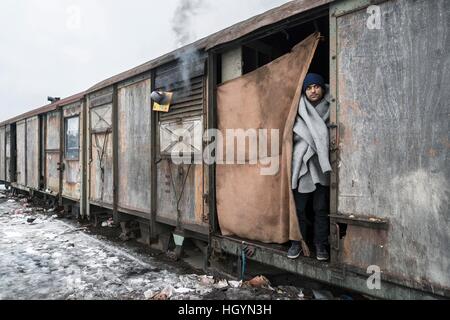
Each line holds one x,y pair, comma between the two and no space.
363,247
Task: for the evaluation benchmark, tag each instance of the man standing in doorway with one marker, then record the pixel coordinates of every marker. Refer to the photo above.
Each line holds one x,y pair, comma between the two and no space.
311,164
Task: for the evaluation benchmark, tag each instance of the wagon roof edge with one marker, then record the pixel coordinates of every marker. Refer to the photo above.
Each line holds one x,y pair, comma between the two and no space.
214,40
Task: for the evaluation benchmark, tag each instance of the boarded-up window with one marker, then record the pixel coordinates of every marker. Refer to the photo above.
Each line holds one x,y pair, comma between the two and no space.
72,142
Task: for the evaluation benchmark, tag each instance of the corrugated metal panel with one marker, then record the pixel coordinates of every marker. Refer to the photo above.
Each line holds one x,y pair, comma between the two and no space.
135,152
21,153
32,151
393,139
2,154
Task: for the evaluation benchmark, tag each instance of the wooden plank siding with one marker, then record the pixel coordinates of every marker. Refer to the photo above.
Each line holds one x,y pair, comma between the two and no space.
134,147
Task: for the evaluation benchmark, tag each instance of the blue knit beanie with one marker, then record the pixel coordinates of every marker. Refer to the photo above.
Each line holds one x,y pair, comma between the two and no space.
313,78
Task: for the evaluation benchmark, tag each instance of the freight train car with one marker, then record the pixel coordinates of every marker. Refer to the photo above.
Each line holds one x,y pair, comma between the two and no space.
107,151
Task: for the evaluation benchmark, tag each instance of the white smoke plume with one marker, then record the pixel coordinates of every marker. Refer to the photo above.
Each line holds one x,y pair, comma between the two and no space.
183,18
183,29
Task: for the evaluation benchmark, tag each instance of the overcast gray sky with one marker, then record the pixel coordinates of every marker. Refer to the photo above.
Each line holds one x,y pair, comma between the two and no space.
62,47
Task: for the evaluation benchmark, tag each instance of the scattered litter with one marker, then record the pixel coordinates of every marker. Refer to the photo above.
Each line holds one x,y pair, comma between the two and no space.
221,284
55,216
18,211
11,201
50,210
166,294
149,294
258,282
323,295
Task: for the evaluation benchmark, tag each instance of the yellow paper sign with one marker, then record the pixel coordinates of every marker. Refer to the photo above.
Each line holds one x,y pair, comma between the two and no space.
164,107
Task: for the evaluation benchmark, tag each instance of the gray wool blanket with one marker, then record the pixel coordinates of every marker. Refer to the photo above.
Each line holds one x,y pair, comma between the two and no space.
311,160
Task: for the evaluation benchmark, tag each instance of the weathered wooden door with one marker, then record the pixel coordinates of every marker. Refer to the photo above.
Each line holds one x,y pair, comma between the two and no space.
21,153
53,153
390,185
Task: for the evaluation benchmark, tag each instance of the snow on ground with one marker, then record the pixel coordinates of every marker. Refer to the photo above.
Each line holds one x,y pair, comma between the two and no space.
49,259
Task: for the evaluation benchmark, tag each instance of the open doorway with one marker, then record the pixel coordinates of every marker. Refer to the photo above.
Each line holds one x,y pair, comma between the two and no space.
257,53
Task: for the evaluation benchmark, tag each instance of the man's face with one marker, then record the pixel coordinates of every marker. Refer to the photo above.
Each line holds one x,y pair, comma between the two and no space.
315,93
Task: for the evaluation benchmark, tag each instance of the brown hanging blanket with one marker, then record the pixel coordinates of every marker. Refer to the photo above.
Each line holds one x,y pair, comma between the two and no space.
251,205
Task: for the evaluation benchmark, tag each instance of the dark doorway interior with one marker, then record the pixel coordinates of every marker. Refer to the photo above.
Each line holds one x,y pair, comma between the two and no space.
262,51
